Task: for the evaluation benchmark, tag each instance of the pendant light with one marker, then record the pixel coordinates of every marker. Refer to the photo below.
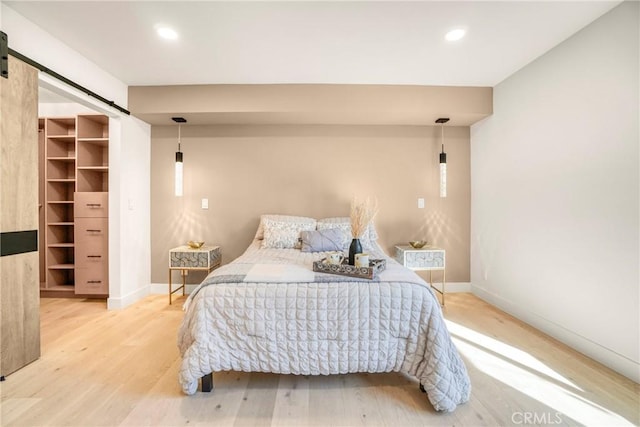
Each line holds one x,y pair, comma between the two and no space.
179,179
443,160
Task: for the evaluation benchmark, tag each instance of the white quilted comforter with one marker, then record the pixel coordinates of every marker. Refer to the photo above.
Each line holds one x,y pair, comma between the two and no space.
242,318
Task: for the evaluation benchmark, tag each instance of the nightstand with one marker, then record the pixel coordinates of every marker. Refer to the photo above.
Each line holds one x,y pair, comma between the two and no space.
206,258
427,258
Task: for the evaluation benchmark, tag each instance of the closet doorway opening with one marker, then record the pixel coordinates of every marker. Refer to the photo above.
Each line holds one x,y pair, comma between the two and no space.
73,193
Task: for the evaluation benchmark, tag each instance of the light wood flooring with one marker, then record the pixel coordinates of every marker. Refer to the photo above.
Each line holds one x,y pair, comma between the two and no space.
119,368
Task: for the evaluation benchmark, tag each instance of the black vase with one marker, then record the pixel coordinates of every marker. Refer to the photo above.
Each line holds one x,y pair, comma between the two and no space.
354,248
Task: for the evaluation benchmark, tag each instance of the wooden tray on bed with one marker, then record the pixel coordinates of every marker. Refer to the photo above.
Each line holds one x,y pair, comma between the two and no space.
344,269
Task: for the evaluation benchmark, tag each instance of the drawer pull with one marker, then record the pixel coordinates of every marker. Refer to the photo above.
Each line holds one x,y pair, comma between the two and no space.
93,231
94,205
94,281
94,256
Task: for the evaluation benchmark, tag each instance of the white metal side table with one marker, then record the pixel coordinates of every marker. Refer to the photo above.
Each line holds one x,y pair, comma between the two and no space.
206,258
427,258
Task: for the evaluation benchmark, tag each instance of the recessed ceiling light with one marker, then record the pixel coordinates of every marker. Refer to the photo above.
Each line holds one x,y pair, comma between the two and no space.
167,33
456,34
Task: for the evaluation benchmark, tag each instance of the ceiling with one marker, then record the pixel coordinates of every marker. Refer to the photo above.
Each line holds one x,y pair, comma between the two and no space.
362,42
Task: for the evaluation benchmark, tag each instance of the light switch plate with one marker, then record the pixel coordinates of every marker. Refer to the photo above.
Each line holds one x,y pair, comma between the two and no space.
205,203
420,203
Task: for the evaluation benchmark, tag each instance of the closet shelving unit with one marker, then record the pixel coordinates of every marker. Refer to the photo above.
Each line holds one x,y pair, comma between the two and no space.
91,212
60,182
76,154
93,153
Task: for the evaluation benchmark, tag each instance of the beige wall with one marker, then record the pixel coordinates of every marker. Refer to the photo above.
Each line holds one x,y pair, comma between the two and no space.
293,104
246,171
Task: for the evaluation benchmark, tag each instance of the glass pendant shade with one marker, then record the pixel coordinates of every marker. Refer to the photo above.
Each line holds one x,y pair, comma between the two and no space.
178,174
443,160
443,174
179,179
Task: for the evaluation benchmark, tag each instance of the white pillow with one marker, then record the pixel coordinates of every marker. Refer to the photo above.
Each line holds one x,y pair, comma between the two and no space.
367,239
284,234
284,219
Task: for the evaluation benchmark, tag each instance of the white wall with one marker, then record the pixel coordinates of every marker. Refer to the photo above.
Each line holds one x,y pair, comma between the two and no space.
129,153
53,109
129,262
555,193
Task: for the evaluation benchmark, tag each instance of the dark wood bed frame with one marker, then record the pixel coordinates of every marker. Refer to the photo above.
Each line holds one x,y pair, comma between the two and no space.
207,382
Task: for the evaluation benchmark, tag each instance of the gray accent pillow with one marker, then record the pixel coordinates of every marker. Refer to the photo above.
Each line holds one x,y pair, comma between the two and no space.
367,239
331,239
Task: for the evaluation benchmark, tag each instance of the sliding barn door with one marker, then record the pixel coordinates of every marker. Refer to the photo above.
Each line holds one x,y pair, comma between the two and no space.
19,264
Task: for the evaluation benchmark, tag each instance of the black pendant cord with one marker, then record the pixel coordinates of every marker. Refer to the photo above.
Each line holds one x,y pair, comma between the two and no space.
65,80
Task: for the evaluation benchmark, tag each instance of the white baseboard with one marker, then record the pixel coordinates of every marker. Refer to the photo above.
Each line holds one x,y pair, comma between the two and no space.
607,357
453,287
163,288
127,300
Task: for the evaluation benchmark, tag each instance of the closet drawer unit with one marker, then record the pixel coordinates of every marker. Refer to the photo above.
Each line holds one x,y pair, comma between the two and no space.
91,242
91,205
90,281
91,232
92,256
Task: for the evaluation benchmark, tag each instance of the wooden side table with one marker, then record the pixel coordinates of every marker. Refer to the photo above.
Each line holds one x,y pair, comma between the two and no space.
427,258
206,258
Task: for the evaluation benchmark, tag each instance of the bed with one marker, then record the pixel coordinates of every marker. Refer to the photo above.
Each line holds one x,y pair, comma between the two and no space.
268,311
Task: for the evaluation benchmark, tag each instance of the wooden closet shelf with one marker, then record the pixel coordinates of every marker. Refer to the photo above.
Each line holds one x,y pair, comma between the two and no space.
62,159
63,287
95,141
65,137
94,168
61,267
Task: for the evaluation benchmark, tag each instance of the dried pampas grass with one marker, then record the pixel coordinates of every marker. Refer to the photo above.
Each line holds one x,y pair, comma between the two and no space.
362,213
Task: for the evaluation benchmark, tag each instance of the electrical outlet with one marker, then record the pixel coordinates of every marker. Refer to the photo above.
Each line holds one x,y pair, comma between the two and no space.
205,203
420,203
